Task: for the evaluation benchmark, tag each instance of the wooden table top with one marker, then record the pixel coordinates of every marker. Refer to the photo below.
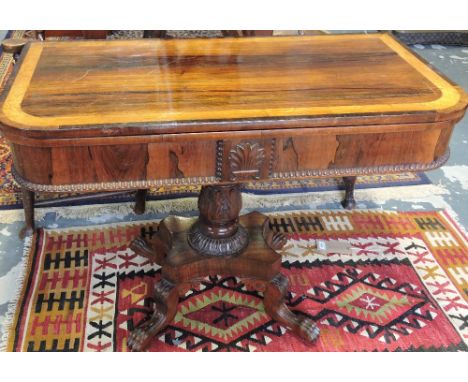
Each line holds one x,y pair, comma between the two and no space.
169,84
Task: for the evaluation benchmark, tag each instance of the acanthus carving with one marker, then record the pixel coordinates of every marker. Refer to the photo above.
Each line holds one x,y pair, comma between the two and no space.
246,160
213,246
220,205
217,231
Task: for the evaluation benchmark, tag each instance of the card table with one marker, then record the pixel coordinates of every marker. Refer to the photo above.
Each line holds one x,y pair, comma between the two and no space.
89,116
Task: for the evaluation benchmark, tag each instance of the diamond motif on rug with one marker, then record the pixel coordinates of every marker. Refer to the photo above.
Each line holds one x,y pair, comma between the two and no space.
221,314
85,290
367,303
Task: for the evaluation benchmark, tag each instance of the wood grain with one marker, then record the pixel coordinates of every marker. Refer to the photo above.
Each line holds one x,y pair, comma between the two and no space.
223,110
184,156
110,83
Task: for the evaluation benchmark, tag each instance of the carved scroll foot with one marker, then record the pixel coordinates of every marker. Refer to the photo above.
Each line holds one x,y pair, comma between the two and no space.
166,299
140,201
274,294
141,247
154,251
349,202
28,206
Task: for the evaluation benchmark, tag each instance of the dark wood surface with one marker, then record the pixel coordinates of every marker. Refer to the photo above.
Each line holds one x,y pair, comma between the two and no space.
100,112
149,82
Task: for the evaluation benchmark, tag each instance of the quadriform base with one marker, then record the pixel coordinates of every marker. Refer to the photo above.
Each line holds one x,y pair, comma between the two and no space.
251,256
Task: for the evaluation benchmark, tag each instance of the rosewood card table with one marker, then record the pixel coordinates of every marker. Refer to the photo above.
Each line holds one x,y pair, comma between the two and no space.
91,116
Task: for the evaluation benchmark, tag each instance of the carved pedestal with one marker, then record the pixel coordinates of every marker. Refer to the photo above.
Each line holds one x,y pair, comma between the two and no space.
218,242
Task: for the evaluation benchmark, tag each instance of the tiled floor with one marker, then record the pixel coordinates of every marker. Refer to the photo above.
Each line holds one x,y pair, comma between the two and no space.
449,191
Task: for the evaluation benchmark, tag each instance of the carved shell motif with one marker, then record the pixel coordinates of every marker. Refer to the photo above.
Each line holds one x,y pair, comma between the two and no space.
246,160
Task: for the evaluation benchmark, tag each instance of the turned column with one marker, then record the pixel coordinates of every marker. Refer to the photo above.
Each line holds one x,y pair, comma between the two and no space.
217,231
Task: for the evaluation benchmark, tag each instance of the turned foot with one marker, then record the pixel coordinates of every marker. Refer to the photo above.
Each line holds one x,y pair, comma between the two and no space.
140,201
300,325
165,307
348,202
28,206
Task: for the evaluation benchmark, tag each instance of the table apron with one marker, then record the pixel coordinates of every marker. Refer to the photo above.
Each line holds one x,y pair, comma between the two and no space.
229,158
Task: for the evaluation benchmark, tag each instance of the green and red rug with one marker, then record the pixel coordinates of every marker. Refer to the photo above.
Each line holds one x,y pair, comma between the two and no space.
403,288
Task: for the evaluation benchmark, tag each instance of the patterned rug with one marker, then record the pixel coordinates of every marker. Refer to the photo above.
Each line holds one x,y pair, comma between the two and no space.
10,196
404,287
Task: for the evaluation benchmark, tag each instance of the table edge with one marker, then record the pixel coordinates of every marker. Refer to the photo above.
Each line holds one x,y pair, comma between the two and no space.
453,94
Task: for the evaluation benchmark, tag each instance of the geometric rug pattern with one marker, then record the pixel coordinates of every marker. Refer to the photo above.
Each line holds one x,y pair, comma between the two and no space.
403,287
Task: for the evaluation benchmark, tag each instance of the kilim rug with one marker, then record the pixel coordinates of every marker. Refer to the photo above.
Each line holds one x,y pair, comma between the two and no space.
10,195
404,287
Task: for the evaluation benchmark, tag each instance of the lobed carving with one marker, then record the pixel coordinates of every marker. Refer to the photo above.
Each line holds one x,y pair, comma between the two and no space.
223,246
217,231
246,160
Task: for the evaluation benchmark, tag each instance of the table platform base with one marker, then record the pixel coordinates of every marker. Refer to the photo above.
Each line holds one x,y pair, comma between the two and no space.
257,263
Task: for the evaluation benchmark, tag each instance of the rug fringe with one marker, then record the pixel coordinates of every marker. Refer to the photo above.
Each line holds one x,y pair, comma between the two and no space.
122,210
11,216
11,310
99,213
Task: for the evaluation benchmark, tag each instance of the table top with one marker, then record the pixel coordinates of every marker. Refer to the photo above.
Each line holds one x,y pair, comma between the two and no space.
184,85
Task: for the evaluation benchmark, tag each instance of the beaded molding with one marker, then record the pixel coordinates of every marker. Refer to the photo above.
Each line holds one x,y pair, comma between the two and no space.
204,180
219,159
111,186
371,170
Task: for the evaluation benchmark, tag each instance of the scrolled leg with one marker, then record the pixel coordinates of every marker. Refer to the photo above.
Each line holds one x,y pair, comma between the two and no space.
141,247
155,252
348,202
28,206
166,299
274,294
